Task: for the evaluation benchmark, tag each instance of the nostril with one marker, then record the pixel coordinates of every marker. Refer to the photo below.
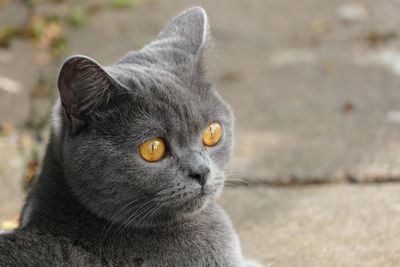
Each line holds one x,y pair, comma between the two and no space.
194,175
200,175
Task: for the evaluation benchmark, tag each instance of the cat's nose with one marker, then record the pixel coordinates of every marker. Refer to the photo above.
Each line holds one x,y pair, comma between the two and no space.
200,173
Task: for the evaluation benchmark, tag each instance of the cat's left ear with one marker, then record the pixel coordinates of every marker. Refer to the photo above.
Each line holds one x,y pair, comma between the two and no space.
186,35
188,31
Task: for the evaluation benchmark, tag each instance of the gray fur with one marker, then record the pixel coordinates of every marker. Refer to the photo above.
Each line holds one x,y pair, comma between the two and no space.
97,202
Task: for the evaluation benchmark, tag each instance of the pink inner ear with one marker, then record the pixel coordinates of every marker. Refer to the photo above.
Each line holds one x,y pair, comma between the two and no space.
68,96
83,86
65,86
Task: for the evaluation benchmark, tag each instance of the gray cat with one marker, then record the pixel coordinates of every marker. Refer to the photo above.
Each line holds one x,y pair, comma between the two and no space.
134,163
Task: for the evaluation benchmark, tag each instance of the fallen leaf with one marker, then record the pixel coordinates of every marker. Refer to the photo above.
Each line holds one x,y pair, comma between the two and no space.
10,224
7,34
319,26
77,16
4,2
7,128
329,67
31,173
347,107
41,89
231,76
122,3
376,38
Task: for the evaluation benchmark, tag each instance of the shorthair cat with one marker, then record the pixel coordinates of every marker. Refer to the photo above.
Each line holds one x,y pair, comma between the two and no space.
134,164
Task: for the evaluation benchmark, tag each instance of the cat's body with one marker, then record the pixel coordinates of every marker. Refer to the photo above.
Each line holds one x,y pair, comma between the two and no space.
98,202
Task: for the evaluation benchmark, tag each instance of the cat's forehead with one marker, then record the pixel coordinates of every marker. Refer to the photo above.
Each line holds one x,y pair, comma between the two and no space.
173,103
164,103
143,70
172,98
161,83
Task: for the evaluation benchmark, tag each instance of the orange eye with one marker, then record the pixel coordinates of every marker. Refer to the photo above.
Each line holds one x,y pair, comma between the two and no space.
212,134
152,150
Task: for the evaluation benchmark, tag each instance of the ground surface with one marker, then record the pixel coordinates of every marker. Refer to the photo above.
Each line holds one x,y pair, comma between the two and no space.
315,88
336,225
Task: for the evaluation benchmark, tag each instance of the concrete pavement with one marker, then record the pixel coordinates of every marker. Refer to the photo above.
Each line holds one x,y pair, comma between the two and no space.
340,225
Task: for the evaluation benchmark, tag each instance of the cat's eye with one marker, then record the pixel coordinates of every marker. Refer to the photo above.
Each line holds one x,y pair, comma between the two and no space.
212,134
152,150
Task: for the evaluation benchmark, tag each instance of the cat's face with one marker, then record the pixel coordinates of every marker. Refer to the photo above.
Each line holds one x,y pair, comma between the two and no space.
148,135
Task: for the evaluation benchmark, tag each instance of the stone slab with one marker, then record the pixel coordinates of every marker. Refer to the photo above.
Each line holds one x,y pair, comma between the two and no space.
337,225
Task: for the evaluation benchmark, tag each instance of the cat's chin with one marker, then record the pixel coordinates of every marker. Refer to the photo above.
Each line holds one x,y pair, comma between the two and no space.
193,205
199,202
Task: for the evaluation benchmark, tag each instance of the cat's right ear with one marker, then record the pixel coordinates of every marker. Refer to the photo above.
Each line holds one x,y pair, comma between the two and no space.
83,86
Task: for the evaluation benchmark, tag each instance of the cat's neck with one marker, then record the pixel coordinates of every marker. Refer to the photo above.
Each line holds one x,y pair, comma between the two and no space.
51,206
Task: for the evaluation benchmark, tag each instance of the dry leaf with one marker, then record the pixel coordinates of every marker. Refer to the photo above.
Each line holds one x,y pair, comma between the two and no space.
7,128
319,26
376,38
10,224
347,107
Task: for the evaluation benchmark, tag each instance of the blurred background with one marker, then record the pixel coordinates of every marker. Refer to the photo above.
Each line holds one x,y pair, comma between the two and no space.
315,85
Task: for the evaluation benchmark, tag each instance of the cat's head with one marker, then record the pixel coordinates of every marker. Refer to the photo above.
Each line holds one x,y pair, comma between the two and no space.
148,135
